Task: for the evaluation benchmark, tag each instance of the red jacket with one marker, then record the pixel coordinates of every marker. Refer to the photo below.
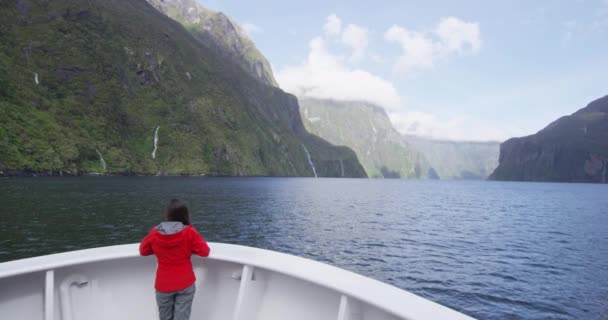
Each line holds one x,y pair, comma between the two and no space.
173,253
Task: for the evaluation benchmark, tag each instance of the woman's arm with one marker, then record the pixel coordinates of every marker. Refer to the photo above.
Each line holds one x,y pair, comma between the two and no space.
199,245
145,247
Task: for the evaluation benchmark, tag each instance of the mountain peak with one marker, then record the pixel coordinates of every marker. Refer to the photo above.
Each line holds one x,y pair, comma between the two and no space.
335,103
220,33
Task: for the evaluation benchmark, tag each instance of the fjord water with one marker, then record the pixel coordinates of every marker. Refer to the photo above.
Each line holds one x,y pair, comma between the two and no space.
492,250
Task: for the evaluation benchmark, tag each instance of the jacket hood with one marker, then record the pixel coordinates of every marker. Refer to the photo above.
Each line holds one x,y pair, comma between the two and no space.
170,227
169,234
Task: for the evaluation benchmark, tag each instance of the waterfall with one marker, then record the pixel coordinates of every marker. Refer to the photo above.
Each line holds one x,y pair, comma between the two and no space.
312,165
155,142
102,162
36,78
342,167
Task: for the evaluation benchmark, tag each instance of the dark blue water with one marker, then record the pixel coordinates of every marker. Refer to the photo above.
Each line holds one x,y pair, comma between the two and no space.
491,250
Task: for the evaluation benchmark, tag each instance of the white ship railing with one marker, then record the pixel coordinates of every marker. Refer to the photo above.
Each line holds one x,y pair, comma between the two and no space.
235,282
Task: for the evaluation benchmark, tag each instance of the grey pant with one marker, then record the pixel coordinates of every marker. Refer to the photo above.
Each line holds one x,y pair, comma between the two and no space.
175,305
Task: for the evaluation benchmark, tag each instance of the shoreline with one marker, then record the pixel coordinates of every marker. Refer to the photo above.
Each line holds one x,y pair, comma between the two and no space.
67,173
62,173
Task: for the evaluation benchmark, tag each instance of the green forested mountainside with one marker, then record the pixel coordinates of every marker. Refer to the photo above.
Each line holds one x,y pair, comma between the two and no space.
458,159
573,148
366,129
219,33
85,85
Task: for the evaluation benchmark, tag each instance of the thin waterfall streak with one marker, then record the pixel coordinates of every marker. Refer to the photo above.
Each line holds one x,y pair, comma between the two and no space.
342,167
102,162
312,165
36,78
155,142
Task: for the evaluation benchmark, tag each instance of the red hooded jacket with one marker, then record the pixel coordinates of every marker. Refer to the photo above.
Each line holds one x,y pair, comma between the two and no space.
173,249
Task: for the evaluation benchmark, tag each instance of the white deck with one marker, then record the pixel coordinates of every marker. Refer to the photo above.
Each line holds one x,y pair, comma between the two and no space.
235,282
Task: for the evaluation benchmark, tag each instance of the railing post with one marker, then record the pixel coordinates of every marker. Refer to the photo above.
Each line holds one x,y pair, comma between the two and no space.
343,309
246,278
49,295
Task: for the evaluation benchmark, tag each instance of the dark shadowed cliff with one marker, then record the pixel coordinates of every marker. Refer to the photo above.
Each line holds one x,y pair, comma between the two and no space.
573,148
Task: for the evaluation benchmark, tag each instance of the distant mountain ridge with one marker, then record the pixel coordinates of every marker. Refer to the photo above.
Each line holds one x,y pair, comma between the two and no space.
458,159
384,152
220,33
573,148
366,129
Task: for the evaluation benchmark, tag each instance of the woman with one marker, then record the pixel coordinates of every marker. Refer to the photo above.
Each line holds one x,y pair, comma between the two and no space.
173,242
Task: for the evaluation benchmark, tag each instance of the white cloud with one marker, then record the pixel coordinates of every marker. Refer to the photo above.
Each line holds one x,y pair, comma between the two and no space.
459,36
333,25
355,37
326,76
452,128
421,50
251,29
418,50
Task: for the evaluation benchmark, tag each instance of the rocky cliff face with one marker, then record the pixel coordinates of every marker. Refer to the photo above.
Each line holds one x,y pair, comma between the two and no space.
458,159
366,129
220,33
116,87
571,149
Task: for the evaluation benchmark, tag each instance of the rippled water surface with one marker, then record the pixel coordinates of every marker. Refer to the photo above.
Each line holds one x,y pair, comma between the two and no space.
491,250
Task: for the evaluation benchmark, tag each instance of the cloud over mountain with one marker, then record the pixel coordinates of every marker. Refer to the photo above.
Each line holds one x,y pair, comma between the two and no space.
421,50
327,75
332,70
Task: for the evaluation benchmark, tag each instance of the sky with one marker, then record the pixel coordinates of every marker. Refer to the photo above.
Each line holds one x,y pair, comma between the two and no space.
460,70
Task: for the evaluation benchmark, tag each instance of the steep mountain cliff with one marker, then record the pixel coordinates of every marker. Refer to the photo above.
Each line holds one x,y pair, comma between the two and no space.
220,33
458,159
571,149
113,86
366,129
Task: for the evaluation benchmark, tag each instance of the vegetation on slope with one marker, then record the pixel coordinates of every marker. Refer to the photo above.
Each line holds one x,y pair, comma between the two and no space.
219,33
366,129
85,84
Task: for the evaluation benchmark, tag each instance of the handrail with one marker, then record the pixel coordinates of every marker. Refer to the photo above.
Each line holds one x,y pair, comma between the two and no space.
378,294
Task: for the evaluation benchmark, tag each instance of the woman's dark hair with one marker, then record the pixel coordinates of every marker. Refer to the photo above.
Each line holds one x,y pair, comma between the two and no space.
177,211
